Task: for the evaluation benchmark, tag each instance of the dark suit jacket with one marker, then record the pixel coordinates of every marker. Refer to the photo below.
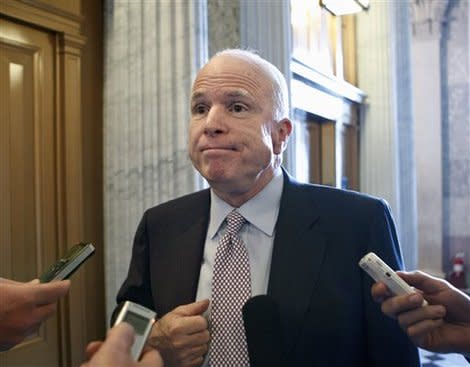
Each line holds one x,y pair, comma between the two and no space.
327,314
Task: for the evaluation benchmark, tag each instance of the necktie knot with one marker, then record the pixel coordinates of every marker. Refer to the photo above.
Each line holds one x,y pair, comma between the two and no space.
235,222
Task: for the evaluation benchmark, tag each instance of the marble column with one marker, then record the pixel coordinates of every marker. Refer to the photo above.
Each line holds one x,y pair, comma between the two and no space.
425,20
408,215
152,52
223,25
386,151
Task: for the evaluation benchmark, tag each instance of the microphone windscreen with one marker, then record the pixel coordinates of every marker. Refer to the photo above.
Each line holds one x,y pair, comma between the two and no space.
263,331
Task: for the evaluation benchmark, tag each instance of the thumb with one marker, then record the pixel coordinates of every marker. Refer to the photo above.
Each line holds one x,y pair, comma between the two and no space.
122,335
423,281
46,293
193,309
92,348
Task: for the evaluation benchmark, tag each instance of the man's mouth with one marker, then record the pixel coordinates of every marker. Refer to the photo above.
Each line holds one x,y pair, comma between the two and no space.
219,147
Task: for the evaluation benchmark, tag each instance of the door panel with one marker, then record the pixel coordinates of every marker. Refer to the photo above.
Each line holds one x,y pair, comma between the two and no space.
322,152
28,202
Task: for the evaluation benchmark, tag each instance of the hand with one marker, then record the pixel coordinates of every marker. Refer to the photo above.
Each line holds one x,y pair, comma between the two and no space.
24,306
442,326
116,350
182,335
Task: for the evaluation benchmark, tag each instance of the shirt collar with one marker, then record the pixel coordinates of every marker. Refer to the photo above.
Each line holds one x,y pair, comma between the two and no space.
261,210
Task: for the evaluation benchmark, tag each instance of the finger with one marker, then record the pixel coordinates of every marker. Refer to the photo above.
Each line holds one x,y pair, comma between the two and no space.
192,341
380,292
194,362
195,324
420,329
121,335
198,351
9,281
419,314
117,345
43,312
46,293
92,348
422,281
192,309
189,326
182,325
398,304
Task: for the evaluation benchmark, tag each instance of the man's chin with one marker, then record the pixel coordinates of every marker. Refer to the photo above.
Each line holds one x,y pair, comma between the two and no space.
217,174
218,179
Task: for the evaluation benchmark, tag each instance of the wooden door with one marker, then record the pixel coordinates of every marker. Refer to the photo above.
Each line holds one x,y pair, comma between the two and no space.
28,202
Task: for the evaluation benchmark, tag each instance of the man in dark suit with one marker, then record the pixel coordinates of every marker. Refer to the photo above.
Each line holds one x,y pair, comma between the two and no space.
302,242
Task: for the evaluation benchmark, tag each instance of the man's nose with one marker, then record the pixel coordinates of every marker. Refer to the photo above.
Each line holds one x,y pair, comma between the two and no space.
215,123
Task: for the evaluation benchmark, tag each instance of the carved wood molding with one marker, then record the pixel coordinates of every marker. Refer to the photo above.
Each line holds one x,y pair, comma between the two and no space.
43,15
71,44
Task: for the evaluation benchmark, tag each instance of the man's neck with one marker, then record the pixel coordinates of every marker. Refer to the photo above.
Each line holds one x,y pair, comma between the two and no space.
237,198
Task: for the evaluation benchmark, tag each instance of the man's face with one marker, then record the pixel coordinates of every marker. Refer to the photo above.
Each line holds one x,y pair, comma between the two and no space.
233,137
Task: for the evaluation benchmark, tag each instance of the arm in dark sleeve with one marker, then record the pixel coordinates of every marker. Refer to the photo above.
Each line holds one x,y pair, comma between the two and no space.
136,287
388,345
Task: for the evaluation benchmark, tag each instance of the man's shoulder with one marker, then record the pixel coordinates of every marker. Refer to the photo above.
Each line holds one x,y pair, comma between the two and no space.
178,214
329,194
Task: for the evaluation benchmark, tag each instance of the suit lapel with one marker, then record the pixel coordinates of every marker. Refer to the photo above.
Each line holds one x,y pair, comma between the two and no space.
190,249
298,254
178,273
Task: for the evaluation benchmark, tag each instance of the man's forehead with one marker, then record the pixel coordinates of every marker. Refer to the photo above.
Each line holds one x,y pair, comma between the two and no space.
229,69
236,63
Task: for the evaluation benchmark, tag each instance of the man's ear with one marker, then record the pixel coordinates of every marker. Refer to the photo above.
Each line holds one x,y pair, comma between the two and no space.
281,134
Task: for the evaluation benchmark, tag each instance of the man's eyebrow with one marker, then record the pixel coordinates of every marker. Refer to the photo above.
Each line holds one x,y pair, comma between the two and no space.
197,95
238,93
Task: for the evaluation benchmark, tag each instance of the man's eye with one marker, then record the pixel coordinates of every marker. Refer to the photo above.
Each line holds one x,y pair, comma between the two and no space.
238,107
199,109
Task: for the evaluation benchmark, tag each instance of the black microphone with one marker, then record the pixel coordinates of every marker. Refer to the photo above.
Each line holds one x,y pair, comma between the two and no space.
263,331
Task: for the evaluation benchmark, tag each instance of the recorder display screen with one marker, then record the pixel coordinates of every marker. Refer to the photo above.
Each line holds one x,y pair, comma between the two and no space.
138,322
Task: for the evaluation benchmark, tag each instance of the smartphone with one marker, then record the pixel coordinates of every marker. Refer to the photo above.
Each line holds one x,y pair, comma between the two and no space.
381,272
141,318
67,265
